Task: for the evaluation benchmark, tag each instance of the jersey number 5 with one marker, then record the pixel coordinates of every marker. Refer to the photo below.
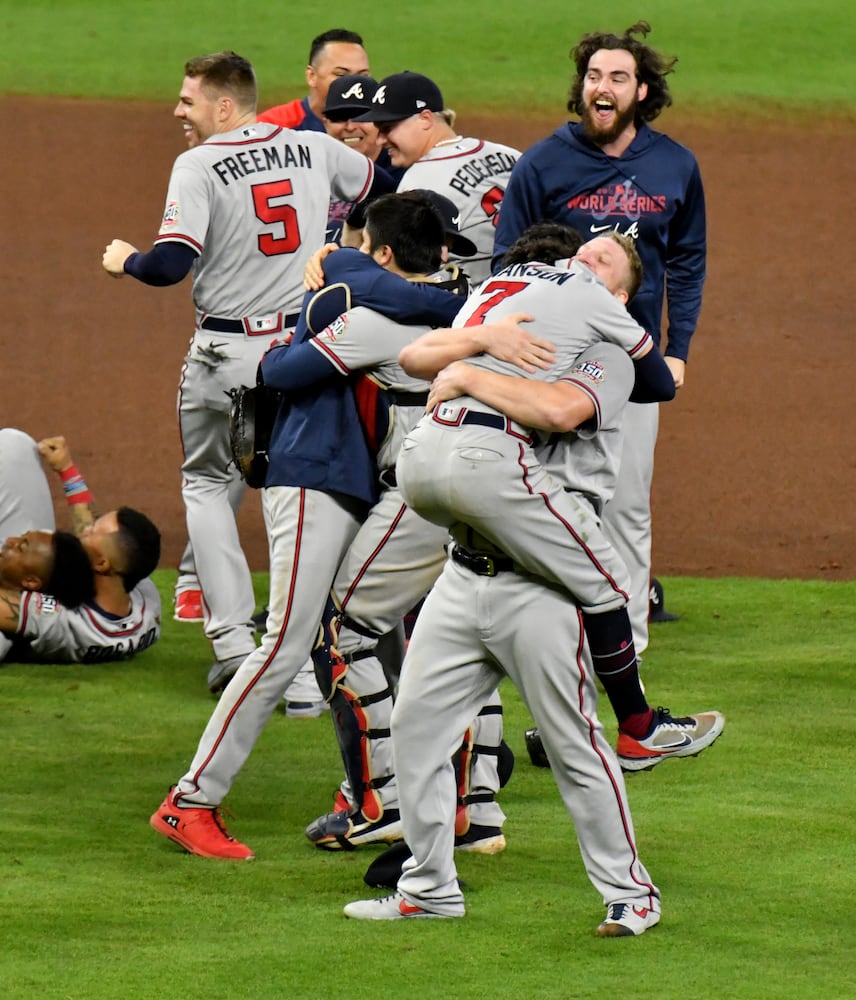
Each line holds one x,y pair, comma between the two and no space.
270,209
495,292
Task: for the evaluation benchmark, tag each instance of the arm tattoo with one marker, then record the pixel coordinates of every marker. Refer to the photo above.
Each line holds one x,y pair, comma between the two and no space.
10,609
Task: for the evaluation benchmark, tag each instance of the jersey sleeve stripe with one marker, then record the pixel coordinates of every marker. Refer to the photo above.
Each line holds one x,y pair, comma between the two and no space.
331,356
640,346
188,241
578,384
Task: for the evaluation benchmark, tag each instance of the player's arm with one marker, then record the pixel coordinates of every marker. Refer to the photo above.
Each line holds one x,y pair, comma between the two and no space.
685,273
505,340
10,609
55,451
165,264
554,407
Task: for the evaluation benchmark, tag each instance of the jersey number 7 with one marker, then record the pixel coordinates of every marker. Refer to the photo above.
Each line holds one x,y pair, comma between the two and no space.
495,291
269,208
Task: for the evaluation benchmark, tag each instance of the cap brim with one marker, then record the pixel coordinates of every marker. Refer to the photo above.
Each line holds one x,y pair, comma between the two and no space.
460,246
661,615
343,113
380,115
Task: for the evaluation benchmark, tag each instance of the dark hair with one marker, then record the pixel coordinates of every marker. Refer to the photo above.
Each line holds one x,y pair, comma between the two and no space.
546,242
333,35
651,68
410,225
229,73
139,544
72,581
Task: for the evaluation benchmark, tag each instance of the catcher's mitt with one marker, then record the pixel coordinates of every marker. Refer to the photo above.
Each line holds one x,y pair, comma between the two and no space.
250,425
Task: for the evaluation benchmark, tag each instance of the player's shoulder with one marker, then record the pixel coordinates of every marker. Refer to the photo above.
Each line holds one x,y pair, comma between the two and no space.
665,146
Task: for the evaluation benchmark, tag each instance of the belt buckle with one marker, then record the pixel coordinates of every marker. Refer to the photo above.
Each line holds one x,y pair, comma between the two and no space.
486,565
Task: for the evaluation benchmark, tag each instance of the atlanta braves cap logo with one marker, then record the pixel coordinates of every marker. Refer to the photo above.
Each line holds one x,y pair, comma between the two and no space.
380,95
355,91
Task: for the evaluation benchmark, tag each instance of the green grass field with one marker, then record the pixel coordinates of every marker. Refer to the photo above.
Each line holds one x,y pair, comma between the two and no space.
498,55
750,843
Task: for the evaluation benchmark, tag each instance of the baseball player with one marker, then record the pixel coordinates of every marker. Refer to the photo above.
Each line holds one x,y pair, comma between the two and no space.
485,619
82,598
246,206
610,171
443,472
388,568
333,54
348,97
417,130
321,482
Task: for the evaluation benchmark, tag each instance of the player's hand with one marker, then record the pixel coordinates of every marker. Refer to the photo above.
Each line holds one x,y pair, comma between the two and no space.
54,451
677,368
449,383
115,255
507,340
313,273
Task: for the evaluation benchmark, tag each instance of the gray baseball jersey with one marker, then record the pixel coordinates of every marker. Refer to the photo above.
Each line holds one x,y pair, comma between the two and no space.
88,634
363,339
253,204
571,306
472,173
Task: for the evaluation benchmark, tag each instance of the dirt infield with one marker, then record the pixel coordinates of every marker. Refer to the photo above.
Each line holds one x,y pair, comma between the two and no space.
756,466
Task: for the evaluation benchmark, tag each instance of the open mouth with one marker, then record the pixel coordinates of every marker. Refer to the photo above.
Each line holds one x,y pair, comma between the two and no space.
603,106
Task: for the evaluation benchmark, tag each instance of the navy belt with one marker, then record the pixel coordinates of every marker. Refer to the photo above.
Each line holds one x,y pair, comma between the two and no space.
479,562
495,420
217,324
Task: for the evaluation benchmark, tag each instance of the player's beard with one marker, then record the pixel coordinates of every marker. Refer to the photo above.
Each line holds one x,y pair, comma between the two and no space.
603,135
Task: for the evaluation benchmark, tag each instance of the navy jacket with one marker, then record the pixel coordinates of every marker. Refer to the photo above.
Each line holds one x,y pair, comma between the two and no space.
318,441
653,192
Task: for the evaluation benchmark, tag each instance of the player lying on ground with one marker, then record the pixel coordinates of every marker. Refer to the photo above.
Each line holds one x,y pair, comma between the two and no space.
104,608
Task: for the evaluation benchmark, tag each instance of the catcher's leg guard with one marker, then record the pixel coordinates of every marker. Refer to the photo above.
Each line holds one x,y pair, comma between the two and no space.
353,681
483,765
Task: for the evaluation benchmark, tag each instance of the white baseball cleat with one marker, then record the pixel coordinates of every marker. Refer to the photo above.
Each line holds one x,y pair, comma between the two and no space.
669,737
627,920
394,907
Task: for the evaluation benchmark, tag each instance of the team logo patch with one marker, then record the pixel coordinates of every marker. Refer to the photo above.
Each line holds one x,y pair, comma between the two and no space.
47,605
380,95
336,329
591,370
170,216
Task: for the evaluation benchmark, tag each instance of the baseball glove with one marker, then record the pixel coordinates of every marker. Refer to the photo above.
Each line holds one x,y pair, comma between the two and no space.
250,424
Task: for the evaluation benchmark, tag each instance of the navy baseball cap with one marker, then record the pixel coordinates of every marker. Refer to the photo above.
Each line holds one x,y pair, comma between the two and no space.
449,212
349,96
401,95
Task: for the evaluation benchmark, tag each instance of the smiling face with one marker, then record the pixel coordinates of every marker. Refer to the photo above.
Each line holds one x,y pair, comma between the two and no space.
407,140
610,95
361,136
27,561
607,259
198,111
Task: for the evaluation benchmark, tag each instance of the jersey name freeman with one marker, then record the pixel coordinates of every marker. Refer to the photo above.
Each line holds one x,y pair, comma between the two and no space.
253,161
468,178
